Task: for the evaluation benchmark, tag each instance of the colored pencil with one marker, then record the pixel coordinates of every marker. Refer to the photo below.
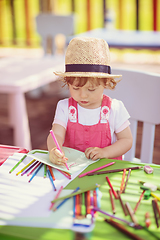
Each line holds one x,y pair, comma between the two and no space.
131,213
18,163
29,168
124,189
78,205
95,198
51,179
35,173
83,206
67,175
64,199
74,207
123,229
50,169
139,201
131,224
114,170
122,204
123,178
88,202
114,193
57,145
57,195
98,197
157,206
45,170
40,151
75,193
37,164
155,213
25,167
96,169
112,201
155,196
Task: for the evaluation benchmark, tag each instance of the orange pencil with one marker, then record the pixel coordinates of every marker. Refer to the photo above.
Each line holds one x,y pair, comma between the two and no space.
88,202
122,182
51,172
78,206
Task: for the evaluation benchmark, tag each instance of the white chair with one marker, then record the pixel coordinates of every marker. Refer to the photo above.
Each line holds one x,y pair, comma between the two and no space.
139,91
19,75
49,25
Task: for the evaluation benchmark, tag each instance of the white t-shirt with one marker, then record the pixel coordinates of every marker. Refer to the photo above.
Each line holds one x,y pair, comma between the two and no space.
118,118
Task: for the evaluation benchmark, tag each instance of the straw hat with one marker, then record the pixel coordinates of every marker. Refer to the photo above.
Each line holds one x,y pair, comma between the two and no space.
87,57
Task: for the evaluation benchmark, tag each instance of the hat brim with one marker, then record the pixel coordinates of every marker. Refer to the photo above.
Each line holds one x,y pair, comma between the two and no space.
87,74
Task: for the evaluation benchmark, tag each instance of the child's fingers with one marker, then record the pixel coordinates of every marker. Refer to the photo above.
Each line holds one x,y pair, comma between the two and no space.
88,152
57,157
92,153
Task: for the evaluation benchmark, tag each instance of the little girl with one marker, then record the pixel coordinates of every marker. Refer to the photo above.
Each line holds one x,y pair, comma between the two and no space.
90,121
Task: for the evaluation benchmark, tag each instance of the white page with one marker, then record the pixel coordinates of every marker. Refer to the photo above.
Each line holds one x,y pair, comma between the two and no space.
76,159
27,204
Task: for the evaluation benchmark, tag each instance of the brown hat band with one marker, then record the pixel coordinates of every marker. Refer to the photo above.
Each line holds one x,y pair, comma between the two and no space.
88,68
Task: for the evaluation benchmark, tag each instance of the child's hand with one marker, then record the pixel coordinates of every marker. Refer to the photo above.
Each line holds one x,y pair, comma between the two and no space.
94,153
57,157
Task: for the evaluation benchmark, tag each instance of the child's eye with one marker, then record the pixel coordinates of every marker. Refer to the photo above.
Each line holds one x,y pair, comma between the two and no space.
74,88
91,90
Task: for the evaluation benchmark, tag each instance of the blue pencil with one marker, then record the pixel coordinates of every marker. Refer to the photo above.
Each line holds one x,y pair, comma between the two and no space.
51,179
65,200
36,172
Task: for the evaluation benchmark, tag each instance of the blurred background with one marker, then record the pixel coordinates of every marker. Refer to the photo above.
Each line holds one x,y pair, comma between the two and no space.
19,37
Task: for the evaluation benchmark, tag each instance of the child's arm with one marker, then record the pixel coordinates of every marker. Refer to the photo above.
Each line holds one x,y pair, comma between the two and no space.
55,155
120,147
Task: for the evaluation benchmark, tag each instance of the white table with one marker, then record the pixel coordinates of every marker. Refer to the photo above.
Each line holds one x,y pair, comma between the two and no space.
18,76
126,38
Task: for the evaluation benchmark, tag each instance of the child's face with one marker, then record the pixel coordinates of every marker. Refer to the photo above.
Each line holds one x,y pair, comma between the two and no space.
88,96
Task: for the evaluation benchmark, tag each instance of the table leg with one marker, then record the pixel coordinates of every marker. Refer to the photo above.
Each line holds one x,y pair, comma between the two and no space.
19,120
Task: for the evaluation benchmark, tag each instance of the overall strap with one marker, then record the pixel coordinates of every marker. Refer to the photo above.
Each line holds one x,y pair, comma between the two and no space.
105,108
73,112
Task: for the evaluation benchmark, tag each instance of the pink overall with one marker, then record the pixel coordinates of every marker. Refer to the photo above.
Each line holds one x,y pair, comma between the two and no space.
80,136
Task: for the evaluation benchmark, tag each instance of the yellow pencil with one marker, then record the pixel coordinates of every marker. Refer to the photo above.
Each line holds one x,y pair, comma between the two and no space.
25,167
155,196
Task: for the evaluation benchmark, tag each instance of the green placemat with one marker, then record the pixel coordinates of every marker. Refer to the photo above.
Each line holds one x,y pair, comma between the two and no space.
102,230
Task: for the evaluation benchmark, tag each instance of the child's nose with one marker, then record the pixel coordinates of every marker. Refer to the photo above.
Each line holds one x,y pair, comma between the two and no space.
83,93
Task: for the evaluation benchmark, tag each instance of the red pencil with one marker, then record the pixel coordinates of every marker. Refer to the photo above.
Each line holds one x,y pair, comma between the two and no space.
138,203
112,201
114,193
37,165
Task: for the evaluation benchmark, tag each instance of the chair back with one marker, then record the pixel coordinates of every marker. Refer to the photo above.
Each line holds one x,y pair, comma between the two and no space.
50,25
139,91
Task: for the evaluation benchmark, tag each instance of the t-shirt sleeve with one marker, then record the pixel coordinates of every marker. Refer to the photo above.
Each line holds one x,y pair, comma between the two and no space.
61,114
120,115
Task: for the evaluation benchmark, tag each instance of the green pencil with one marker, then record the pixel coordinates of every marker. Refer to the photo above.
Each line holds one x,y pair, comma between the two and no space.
18,163
83,207
45,170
